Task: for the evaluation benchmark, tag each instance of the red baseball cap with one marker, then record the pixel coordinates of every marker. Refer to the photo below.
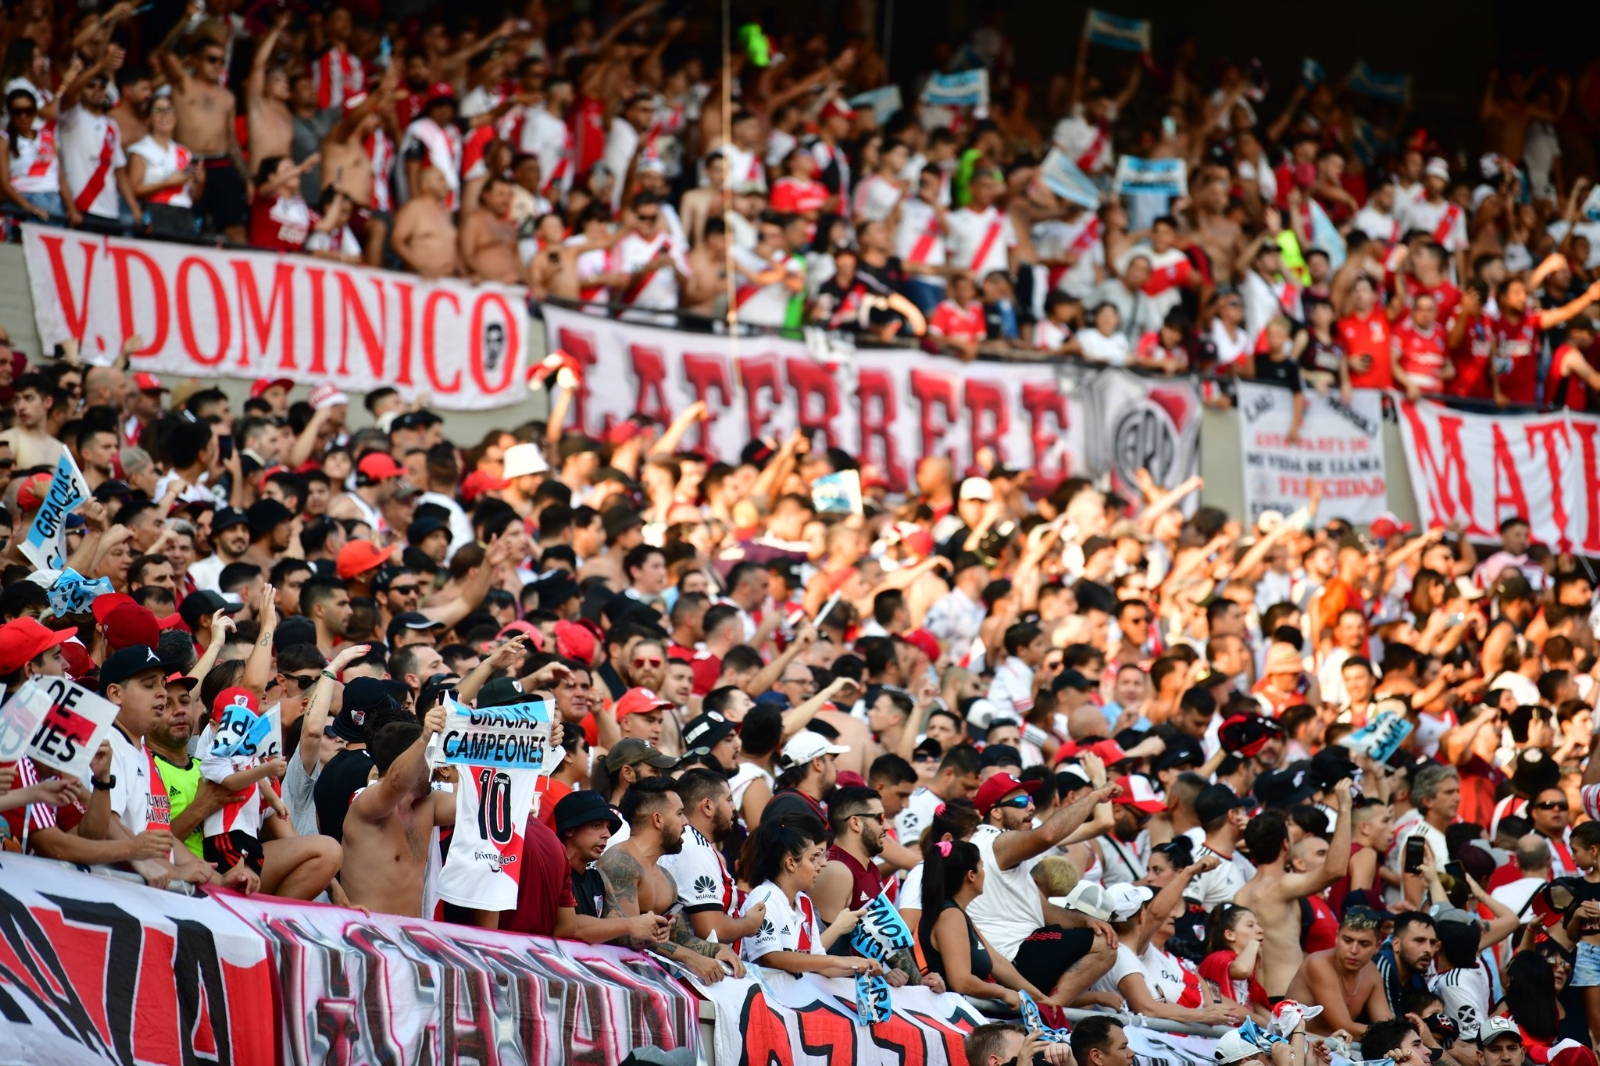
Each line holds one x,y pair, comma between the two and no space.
179,678
243,697
25,639
148,383
359,556
837,108
1388,525
1140,794
130,625
998,788
104,605
261,385
923,641
624,431
479,482
522,625
376,466
574,641
31,496
640,701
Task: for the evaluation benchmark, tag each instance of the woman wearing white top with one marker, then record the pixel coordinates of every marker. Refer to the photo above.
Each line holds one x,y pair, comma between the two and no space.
783,861
32,177
161,170
1102,341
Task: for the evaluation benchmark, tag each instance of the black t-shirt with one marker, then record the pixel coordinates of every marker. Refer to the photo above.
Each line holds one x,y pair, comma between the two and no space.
345,774
1285,373
589,892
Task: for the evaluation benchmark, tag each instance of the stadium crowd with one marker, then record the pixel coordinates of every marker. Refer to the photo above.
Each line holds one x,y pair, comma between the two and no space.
1117,753
1324,243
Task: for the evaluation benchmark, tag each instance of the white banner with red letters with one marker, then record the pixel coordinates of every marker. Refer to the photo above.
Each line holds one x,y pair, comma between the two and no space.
1482,469
207,311
1339,446
887,407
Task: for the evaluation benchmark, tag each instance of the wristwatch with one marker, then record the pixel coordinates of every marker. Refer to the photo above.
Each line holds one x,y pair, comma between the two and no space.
104,786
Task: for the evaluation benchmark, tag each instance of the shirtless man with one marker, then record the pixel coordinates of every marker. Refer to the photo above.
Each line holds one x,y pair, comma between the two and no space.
1274,893
205,126
636,884
390,825
424,235
708,270
488,237
1214,231
1344,980
135,89
266,99
347,163
29,439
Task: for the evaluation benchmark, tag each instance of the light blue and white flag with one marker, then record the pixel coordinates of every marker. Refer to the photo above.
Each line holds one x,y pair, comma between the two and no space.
1311,72
46,542
1117,31
884,102
1166,176
1365,81
966,88
1062,177
837,493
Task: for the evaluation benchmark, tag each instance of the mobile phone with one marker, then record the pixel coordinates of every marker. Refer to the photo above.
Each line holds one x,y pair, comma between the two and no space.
225,446
1169,127
1414,854
1455,871
1457,618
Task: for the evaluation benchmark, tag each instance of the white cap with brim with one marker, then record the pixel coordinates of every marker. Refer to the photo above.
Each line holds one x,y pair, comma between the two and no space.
977,488
1090,899
522,460
806,745
1494,1028
1235,1047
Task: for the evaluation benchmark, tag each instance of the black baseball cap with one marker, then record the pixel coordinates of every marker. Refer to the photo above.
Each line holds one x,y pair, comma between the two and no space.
424,528
502,692
1215,801
1073,679
203,603
229,516
578,809
412,620
363,696
707,730
130,662
264,516
1283,788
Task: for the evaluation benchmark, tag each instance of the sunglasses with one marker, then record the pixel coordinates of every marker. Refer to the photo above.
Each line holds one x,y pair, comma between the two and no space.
1552,805
1019,802
7,464
304,681
869,814
404,590
24,112
649,218
211,59
647,662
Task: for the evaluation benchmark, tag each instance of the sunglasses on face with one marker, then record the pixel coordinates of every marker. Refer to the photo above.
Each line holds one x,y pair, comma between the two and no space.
404,590
1019,802
649,220
211,59
7,464
1552,805
647,662
303,681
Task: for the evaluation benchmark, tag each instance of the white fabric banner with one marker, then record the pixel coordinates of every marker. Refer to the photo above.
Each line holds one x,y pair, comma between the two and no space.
1482,469
1339,446
1153,1048
206,312
887,407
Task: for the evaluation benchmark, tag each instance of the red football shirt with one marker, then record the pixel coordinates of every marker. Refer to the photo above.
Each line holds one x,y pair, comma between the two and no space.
1366,340
1516,356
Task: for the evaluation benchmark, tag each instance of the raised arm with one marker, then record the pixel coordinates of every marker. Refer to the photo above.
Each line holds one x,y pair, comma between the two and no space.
258,666
1335,864
321,701
1014,848
255,84
407,778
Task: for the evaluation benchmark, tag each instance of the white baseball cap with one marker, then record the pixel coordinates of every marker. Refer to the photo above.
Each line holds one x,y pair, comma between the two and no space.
1234,1047
1125,900
977,488
1089,898
1437,168
522,460
806,745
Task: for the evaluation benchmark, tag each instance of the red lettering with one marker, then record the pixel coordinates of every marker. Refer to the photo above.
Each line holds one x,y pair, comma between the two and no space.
187,315
988,418
933,391
649,369
120,257
1436,473
759,374
373,337
478,350
581,346
251,314
1044,402
766,1038
1546,432
808,379
319,323
954,1034
877,408
429,349
901,1037
158,992
709,374
74,310
829,1033
1507,482
1591,475
404,291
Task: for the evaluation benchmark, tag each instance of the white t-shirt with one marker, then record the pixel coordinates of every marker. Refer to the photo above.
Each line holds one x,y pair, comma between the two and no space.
916,816
1465,992
34,166
1230,347
919,238
1377,225
1011,691
1112,350
1126,963
703,881
89,143
763,305
132,800
1216,887
1053,240
660,291
550,139
484,867
786,927
1010,908
621,143
1431,218
1412,824
1517,893
875,198
1164,974
910,897
969,246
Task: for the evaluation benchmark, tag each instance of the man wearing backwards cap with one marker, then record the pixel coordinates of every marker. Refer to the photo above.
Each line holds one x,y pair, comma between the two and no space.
1050,947
130,800
376,474
806,774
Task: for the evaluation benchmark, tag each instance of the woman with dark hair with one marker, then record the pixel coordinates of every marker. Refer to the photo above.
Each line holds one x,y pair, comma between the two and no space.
1233,959
954,949
955,820
782,859
1531,1001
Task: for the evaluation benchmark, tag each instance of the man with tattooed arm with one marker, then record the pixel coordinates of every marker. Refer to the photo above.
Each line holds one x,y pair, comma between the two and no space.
636,884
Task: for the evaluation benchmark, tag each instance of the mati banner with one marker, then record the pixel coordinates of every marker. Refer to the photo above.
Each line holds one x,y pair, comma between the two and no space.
96,970
1482,469
1340,447
360,988
207,312
887,407
813,1021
